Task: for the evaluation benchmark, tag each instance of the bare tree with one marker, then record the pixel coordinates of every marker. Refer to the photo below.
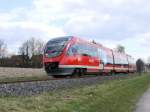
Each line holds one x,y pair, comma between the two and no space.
3,49
36,46
120,49
40,47
140,66
30,48
24,51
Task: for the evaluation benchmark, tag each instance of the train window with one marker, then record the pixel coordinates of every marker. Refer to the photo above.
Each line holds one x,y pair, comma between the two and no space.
55,46
125,60
95,52
120,59
58,41
117,59
92,51
102,55
74,49
82,49
109,59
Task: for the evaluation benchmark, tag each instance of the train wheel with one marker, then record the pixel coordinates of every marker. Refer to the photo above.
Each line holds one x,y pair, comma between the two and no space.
74,72
79,72
82,71
47,69
61,76
112,72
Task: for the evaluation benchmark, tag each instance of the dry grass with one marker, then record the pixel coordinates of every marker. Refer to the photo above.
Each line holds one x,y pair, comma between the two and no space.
20,72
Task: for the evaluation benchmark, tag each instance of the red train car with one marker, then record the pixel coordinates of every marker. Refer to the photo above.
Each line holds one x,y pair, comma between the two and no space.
72,55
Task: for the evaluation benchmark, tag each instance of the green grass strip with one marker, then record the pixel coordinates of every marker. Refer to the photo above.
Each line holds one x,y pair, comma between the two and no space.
111,96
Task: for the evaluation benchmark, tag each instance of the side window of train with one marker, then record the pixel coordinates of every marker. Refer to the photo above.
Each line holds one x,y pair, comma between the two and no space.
102,56
73,49
82,49
117,59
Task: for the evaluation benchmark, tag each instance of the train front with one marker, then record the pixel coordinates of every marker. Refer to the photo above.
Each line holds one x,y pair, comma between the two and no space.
54,53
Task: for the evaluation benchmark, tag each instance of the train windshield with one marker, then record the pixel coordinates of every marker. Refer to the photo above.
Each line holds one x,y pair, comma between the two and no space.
55,46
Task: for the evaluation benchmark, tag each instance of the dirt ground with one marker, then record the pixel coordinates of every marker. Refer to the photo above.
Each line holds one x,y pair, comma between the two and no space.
21,72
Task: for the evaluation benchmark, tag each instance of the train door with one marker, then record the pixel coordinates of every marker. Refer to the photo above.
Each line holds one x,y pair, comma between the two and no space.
102,58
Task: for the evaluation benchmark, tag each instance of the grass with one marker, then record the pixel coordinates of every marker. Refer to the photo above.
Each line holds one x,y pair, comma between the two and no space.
111,96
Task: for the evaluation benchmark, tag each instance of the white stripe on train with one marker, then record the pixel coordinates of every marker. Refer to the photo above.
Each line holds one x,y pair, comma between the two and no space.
116,68
90,67
79,66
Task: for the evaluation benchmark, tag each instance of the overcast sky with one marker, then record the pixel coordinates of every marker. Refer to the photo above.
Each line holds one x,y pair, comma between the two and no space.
109,22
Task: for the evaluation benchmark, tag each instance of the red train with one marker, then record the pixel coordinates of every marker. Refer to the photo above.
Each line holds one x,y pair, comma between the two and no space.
72,55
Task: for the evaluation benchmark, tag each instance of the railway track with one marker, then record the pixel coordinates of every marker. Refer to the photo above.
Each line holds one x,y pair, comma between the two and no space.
32,79
31,87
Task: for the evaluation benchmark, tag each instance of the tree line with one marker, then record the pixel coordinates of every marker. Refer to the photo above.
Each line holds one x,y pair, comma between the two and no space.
29,54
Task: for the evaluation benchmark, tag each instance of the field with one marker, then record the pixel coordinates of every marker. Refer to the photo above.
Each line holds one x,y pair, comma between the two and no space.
111,96
21,72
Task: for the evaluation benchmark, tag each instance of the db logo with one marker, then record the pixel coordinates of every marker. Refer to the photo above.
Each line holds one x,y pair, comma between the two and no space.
79,59
91,60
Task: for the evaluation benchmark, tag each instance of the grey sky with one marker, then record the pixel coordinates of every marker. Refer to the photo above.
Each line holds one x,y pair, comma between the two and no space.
109,22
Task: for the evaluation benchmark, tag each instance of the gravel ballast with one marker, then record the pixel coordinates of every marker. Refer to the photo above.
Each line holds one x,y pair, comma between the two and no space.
32,88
